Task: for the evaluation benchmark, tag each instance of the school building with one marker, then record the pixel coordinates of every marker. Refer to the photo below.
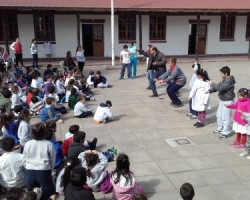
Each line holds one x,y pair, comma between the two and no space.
215,27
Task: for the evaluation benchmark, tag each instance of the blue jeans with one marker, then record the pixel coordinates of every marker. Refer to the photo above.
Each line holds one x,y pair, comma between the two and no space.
171,91
124,67
133,63
154,74
148,75
40,178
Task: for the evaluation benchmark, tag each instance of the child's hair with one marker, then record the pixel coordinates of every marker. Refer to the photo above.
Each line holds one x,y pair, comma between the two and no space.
38,131
91,160
198,65
18,76
78,177
51,125
74,128
24,114
79,136
34,99
6,119
122,168
70,164
34,75
140,197
51,89
49,66
18,108
203,73
14,193
48,134
15,89
187,191
69,87
98,72
73,91
125,46
80,98
29,195
109,103
172,60
243,92
7,94
225,70
8,144
49,77
91,72
35,91
49,100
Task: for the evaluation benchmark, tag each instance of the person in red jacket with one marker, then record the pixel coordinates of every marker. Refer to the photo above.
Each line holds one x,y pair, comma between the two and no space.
17,47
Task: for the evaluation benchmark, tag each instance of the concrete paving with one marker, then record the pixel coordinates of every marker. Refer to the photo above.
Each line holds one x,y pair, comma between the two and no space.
142,125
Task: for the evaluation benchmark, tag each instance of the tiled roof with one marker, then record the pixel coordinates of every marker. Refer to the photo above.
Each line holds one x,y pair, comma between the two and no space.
131,4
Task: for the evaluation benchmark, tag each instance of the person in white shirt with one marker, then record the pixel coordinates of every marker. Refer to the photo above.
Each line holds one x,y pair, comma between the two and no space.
15,99
91,75
47,49
34,53
125,61
80,58
35,83
80,109
12,173
103,112
60,89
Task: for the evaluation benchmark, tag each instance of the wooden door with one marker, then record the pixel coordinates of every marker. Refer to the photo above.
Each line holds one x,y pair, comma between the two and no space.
98,44
202,38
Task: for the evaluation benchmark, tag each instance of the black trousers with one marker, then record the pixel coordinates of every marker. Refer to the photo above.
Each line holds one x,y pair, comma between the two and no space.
35,60
85,114
81,66
19,58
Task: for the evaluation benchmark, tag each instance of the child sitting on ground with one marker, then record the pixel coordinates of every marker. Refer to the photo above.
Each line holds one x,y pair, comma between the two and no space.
103,112
48,113
89,79
36,105
72,98
187,191
99,80
80,108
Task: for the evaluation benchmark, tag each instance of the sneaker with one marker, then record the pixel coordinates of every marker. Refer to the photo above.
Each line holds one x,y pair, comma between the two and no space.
223,137
154,95
248,157
217,131
93,144
148,88
114,150
60,121
189,114
178,105
92,98
120,78
239,146
199,125
196,123
193,117
234,143
245,153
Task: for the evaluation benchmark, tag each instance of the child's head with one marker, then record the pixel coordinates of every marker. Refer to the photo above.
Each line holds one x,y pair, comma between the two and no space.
15,89
91,73
78,177
202,74
8,144
51,89
225,72
25,115
81,98
19,77
17,110
109,103
68,54
71,82
38,131
74,128
14,193
51,125
172,61
34,75
33,41
49,78
79,137
7,94
122,162
243,93
73,91
48,134
60,77
34,99
187,191
98,74
70,164
50,101
35,91
140,197
7,118
125,47
49,67
91,160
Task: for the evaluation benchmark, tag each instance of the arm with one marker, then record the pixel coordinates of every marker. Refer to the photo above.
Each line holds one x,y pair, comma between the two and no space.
193,90
162,60
233,106
102,164
222,86
165,75
12,46
52,155
109,113
173,74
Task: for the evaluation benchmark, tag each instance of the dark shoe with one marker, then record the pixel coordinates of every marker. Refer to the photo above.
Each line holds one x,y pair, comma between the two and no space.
178,105
196,123
223,137
93,144
154,95
148,88
199,125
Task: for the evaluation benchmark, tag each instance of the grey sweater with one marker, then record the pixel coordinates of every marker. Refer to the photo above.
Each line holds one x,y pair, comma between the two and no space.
225,88
176,76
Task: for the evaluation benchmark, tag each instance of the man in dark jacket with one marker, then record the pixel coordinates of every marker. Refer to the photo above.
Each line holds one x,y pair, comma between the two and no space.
226,95
157,65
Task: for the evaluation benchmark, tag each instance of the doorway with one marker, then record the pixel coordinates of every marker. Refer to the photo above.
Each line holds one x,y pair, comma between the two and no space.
92,39
202,37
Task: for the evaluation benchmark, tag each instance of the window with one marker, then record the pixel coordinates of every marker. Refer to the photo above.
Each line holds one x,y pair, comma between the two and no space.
127,28
227,27
10,25
157,28
248,28
44,27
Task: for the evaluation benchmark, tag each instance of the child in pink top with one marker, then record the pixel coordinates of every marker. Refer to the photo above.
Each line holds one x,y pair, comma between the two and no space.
240,125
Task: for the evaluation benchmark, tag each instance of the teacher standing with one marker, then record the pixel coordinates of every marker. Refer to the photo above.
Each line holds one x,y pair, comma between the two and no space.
80,58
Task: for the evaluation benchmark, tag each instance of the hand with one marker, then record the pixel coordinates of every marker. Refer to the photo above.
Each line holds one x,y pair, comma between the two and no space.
160,81
225,105
87,151
94,151
154,63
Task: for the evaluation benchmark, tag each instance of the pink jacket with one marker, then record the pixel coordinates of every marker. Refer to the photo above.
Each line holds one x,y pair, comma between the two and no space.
242,105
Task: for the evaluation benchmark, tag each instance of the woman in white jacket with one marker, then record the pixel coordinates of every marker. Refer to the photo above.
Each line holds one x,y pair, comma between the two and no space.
103,112
80,58
34,53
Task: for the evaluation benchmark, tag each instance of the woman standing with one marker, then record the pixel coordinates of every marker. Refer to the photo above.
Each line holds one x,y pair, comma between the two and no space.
47,49
80,58
17,47
175,79
34,53
69,61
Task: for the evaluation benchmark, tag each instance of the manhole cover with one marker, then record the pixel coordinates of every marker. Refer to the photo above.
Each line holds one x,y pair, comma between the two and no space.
179,141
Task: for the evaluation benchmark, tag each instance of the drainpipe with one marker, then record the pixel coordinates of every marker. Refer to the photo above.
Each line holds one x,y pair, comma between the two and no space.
78,29
140,32
5,34
112,33
197,38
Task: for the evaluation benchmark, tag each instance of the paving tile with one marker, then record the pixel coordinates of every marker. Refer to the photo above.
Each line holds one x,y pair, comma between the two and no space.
163,154
204,162
189,151
139,156
174,166
155,144
145,169
168,195
206,193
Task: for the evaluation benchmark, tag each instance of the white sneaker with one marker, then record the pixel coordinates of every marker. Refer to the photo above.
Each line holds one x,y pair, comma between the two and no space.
60,121
38,192
248,157
244,153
